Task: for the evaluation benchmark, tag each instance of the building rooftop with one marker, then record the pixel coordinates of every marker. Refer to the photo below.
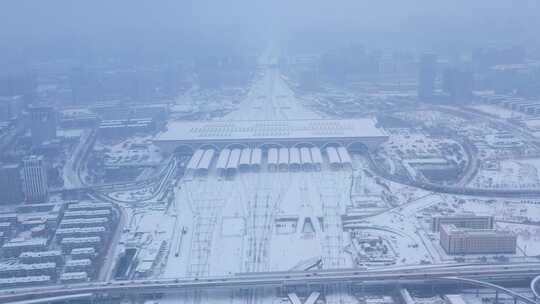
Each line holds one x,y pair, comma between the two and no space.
24,243
28,279
81,240
457,216
10,166
89,205
26,267
452,229
41,254
84,230
76,263
95,220
8,216
87,250
74,276
79,213
277,129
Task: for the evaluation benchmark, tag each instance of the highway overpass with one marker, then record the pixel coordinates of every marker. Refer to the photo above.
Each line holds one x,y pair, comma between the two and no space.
403,276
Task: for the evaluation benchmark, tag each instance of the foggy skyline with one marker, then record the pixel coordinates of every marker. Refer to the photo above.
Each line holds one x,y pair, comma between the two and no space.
71,26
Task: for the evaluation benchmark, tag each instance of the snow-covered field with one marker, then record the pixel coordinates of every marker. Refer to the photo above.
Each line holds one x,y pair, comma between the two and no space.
509,174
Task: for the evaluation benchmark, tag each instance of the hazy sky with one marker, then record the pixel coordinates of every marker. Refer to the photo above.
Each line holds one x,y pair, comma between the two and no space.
96,23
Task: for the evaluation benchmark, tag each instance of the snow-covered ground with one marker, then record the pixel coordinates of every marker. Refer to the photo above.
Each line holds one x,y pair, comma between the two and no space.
275,221
135,150
509,174
528,237
232,223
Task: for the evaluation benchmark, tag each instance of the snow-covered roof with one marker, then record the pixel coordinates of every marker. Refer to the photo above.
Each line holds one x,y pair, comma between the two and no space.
271,130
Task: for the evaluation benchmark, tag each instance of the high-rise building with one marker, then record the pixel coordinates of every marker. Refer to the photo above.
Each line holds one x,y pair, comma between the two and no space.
42,124
22,82
476,241
86,86
458,84
11,107
10,184
35,179
486,58
427,73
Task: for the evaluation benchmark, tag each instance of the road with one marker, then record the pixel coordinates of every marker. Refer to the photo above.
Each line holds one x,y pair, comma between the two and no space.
472,167
473,163
456,190
419,275
75,163
535,288
107,267
109,257
270,98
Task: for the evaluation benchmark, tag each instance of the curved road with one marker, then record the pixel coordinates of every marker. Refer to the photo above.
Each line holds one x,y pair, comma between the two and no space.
530,193
535,288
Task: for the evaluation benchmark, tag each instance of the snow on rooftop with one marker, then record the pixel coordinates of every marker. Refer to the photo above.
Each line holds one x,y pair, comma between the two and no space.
271,129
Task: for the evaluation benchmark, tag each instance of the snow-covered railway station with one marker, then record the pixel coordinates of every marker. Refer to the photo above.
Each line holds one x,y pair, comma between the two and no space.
190,136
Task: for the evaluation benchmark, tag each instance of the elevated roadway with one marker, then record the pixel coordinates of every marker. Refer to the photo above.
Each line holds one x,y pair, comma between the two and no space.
402,276
535,288
498,289
457,190
164,173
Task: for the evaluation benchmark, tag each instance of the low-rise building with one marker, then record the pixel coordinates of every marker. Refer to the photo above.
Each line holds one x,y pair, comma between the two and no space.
24,281
8,217
89,206
5,227
32,219
79,265
87,214
23,270
85,222
15,247
80,242
469,221
126,127
83,253
78,118
40,208
456,240
74,277
54,256
80,232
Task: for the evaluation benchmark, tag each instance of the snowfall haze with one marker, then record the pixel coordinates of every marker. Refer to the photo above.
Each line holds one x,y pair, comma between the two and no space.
270,152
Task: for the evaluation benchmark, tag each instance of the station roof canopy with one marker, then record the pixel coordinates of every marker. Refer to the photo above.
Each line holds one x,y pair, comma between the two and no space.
269,130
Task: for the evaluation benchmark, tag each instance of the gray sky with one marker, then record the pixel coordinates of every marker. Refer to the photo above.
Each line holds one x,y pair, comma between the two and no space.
26,23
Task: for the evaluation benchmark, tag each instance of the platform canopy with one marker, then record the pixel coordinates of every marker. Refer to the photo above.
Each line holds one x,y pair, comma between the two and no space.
270,131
